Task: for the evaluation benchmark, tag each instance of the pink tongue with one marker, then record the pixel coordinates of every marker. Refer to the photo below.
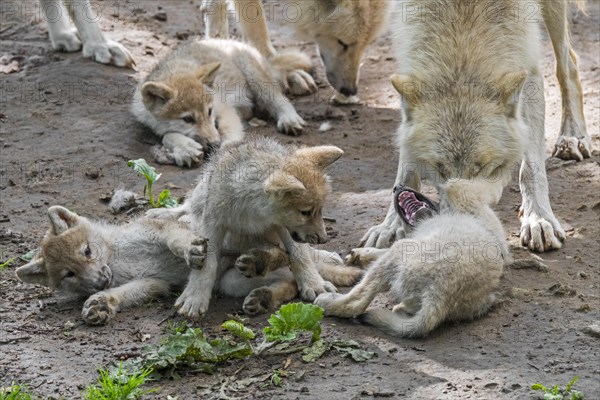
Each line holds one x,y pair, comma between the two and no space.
409,203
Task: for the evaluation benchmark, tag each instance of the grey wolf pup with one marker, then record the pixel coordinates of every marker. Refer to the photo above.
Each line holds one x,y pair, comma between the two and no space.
194,97
472,101
445,270
114,266
258,191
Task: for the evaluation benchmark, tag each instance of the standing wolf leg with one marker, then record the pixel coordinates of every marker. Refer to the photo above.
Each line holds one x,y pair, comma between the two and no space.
540,230
573,142
392,227
95,45
215,19
62,33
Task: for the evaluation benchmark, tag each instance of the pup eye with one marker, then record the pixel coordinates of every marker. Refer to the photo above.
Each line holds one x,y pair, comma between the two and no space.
306,213
70,274
344,45
210,111
87,252
189,119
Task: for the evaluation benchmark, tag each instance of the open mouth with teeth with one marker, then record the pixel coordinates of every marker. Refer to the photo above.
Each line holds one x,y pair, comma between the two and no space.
412,206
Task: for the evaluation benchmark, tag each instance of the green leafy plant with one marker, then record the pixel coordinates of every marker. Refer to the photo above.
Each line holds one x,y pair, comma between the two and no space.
118,385
164,198
555,393
292,318
15,392
6,263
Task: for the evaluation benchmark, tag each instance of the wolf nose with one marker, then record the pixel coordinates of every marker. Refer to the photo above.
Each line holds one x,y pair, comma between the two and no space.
210,148
348,91
322,239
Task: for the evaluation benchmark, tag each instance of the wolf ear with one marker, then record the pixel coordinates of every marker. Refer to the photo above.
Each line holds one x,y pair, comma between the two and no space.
509,91
408,89
34,272
322,156
283,183
61,219
207,72
156,94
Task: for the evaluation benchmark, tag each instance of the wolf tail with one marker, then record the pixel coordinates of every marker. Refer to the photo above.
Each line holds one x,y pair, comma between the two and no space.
399,324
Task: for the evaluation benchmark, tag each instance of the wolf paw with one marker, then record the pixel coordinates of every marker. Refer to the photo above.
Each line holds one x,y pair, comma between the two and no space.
259,301
98,309
328,302
572,148
310,292
196,254
384,234
301,83
179,149
291,124
541,234
362,256
67,41
192,304
252,263
108,52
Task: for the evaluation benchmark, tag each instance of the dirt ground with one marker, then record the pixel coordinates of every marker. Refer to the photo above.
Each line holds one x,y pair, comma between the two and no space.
66,134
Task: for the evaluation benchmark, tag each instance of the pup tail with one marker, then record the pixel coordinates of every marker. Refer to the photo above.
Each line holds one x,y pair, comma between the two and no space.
398,323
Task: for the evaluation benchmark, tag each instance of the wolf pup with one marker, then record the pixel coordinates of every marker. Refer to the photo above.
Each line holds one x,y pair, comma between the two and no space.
259,189
194,98
445,270
115,266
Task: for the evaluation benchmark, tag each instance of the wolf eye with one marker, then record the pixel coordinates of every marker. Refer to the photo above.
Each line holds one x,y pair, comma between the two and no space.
87,252
189,119
344,45
70,274
210,111
306,213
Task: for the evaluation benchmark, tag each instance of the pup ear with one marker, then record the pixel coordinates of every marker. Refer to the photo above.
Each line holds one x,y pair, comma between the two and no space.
34,272
322,156
207,72
61,219
410,94
280,183
509,91
156,94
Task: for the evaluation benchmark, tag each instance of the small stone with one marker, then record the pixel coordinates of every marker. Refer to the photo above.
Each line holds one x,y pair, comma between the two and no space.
161,16
582,275
491,385
592,330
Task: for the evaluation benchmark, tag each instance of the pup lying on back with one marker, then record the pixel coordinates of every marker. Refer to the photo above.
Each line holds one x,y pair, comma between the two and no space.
194,98
446,268
263,191
117,266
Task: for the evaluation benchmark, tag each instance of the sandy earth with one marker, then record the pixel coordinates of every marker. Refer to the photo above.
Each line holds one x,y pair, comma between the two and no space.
66,134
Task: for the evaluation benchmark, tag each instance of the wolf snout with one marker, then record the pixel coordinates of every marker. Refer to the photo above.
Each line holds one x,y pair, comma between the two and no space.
349,90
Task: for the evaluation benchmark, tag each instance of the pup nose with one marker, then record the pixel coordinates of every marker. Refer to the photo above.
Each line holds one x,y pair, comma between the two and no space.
322,239
348,91
210,148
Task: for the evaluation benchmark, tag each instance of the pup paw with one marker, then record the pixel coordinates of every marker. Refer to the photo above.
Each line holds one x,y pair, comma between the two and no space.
291,124
193,304
300,83
309,292
99,308
259,301
252,263
196,254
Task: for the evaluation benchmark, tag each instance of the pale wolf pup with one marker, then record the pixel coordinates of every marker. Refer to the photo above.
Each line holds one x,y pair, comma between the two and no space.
446,269
266,191
342,30
472,101
115,266
192,98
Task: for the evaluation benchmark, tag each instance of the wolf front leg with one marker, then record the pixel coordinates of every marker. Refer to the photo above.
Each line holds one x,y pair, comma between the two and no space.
310,283
63,34
215,15
194,300
95,45
392,227
574,143
102,306
540,230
